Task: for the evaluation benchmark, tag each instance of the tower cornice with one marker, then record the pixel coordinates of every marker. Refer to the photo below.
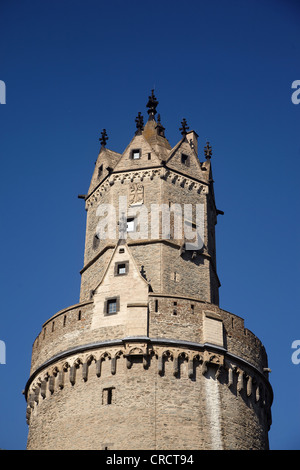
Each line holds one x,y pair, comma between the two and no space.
213,355
162,171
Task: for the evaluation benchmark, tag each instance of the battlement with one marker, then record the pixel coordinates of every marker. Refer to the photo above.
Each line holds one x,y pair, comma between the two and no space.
173,317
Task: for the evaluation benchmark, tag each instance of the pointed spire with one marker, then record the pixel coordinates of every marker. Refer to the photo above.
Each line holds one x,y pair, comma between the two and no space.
184,127
139,124
152,105
207,151
104,138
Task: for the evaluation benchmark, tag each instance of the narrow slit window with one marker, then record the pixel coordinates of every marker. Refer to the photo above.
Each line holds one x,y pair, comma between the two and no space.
100,171
108,396
185,159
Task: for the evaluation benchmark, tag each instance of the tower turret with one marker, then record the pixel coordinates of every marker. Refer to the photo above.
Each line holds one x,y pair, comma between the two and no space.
147,359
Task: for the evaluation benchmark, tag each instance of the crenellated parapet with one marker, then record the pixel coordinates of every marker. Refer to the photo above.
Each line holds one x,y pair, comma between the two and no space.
168,316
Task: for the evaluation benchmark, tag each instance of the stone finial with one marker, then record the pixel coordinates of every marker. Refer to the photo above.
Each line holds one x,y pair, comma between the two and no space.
184,127
139,124
152,105
104,138
207,151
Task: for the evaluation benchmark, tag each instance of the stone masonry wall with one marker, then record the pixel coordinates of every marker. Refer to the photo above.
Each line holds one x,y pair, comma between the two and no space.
154,397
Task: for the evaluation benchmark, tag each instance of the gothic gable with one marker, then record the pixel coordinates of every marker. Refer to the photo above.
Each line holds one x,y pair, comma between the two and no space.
138,154
106,161
121,297
184,159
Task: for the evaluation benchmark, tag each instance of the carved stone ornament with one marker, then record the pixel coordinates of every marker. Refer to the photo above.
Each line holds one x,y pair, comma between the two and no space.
136,194
136,349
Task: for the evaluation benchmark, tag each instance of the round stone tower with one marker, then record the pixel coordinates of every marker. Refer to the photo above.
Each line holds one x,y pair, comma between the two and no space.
147,359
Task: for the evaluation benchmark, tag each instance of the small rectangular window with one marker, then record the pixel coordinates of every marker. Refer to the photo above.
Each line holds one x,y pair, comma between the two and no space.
111,306
130,224
185,159
135,154
121,268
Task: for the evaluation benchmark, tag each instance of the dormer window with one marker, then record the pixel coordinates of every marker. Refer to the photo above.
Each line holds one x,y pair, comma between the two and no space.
135,154
185,159
121,268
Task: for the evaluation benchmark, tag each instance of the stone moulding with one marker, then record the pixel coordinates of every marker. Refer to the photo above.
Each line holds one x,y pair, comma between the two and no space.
138,175
241,374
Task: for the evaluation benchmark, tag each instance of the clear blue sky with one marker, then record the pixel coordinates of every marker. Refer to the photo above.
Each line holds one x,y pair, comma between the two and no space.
74,67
